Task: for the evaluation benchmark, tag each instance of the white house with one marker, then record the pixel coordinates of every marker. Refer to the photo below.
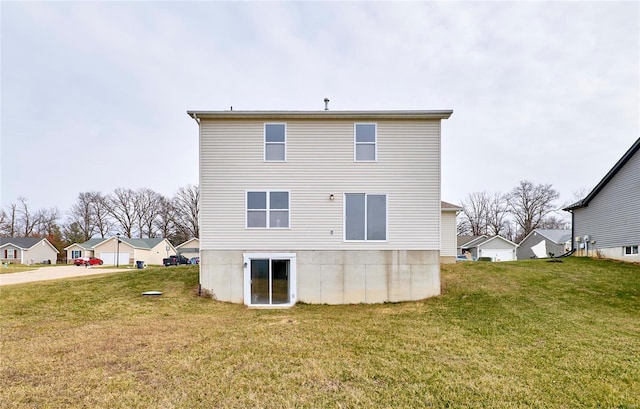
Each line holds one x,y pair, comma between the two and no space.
496,247
190,248
607,220
331,207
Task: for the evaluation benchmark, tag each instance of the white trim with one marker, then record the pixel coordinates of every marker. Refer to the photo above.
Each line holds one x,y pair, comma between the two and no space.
631,254
247,257
264,142
374,143
344,217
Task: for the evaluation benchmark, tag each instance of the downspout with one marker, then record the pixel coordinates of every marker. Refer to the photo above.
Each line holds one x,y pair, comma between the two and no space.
573,233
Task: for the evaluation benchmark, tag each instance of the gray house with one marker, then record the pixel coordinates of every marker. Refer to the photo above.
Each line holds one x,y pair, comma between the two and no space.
541,242
607,220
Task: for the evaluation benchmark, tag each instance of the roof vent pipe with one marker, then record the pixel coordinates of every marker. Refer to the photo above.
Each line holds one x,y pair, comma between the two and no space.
326,104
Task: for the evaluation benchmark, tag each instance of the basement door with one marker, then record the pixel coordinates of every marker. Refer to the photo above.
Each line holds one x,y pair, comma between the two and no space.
269,279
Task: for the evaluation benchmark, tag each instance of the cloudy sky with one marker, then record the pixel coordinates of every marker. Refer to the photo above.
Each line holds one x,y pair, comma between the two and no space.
94,95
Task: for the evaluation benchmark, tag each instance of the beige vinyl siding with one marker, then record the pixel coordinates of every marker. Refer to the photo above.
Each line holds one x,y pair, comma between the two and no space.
320,162
449,234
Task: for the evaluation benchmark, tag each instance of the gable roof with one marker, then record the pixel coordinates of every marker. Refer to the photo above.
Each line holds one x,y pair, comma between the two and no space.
487,240
142,243
616,168
187,242
89,244
558,236
463,241
24,243
449,207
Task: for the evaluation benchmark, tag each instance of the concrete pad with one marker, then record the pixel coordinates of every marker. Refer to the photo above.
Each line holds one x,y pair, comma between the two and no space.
55,273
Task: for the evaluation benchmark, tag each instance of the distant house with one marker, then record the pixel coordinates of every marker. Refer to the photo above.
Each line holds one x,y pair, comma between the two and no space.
321,207
448,232
540,242
607,220
496,247
128,251
190,248
27,250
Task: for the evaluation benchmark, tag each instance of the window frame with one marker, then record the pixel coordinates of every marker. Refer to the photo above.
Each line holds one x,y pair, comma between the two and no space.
265,143
74,252
631,250
267,210
366,227
356,143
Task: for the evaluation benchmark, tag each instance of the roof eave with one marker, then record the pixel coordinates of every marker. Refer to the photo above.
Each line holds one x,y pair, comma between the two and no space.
359,115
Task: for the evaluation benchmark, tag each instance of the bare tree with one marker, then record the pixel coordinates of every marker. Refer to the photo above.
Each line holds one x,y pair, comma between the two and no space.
497,215
10,220
83,216
475,209
553,222
529,204
165,220
187,206
122,208
101,214
146,210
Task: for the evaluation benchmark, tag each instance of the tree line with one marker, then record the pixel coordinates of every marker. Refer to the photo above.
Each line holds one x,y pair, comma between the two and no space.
141,213
511,215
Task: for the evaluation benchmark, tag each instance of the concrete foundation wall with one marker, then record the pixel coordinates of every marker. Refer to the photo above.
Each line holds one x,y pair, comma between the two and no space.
335,277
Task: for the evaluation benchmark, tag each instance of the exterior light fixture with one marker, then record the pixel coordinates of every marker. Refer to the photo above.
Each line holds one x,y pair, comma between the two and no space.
331,196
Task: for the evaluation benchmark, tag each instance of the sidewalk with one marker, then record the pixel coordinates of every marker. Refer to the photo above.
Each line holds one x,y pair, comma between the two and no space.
54,273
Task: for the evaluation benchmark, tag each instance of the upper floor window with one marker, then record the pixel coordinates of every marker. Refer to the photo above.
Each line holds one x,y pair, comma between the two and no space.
365,216
268,210
275,142
365,143
630,250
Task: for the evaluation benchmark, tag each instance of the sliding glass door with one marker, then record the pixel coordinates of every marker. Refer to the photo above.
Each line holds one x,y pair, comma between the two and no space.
269,279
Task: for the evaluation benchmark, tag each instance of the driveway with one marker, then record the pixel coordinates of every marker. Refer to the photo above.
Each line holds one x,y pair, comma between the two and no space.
53,273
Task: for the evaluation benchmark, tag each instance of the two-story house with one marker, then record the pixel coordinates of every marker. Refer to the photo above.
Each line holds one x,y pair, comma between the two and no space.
331,207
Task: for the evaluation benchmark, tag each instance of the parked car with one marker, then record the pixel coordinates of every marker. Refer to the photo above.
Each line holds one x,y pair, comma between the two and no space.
87,261
195,260
462,257
175,260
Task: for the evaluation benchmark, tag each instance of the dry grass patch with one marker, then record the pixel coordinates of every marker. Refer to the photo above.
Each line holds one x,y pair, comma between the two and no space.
511,335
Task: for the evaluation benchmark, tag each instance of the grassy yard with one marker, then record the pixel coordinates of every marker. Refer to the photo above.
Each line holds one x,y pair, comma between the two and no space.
502,335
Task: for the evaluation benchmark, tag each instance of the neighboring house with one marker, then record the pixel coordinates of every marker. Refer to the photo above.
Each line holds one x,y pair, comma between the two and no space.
448,232
128,251
496,247
540,242
607,220
78,250
332,207
190,248
27,250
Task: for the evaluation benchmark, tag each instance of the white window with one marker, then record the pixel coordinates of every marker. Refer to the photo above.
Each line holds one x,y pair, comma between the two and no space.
365,216
275,142
11,253
365,136
630,250
267,210
76,254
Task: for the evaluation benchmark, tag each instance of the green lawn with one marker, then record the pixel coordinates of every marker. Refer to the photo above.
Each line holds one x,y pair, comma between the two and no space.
502,335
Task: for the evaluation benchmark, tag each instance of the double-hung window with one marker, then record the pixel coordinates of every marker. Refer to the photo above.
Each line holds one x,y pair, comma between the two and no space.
267,210
365,217
275,142
76,253
365,143
630,250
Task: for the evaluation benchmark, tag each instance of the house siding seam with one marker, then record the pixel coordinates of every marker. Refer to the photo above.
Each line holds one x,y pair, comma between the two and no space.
319,163
612,217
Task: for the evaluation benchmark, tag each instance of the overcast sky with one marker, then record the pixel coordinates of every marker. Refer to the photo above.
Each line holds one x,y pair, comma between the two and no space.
94,95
